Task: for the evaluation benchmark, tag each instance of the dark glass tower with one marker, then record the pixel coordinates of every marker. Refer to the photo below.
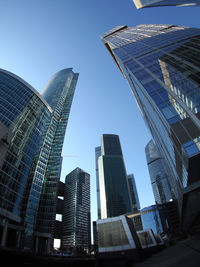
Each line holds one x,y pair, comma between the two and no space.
114,192
97,155
161,64
133,192
76,214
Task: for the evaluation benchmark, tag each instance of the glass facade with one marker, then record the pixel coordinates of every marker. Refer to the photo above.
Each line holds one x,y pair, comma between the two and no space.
157,3
97,155
161,64
150,218
116,234
158,175
31,140
112,234
162,219
114,192
133,192
148,239
25,115
76,230
59,94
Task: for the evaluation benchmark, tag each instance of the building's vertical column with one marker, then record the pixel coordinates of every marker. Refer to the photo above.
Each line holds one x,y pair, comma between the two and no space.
4,234
19,239
36,244
48,246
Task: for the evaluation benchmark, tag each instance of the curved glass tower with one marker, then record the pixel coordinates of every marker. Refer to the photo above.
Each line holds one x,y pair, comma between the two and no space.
161,64
32,132
24,116
59,94
158,175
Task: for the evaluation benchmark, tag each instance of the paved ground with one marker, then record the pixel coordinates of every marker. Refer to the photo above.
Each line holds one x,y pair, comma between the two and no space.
184,254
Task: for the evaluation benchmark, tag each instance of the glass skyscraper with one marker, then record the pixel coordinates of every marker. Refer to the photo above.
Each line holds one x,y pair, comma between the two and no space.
161,64
32,137
162,219
97,155
133,192
150,218
157,3
76,230
114,191
158,175
24,116
59,94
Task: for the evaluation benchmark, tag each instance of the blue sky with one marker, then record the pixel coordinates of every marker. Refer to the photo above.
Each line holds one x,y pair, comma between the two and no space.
41,37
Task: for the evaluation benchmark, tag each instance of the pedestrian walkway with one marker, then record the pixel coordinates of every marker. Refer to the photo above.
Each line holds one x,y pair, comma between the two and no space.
185,254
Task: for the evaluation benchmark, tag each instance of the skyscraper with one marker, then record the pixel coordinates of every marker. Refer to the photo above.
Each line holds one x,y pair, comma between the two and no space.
24,115
158,174
97,155
59,94
32,134
114,192
157,3
76,215
161,64
133,192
